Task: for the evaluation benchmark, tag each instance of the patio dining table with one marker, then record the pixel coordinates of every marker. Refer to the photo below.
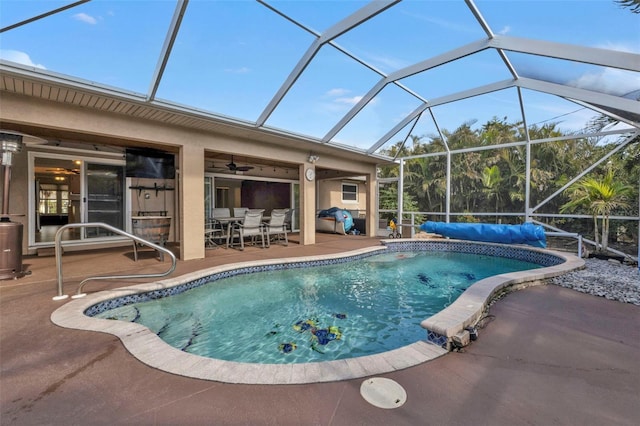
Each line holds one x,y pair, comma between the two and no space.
228,221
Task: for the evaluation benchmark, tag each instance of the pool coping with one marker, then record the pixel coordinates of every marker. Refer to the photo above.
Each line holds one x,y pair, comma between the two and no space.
150,349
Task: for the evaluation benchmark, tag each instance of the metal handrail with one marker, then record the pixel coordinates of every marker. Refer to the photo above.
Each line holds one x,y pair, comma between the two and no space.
581,240
571,235
58,250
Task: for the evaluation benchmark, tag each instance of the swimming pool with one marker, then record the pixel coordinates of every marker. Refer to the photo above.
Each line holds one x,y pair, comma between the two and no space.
321,313
145,344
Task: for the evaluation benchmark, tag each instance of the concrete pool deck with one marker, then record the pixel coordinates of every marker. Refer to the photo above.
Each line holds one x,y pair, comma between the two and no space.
551,355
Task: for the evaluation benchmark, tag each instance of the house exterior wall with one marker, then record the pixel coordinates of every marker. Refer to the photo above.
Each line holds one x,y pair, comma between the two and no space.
54,120
330,195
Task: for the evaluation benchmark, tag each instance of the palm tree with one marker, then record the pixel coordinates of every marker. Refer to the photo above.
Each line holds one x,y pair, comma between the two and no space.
512,162
601,198
491,180
633,5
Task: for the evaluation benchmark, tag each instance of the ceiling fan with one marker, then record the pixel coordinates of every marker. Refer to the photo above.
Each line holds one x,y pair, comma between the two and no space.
64,171
235,168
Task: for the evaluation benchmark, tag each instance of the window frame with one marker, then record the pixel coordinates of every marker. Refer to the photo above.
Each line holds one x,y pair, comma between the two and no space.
355,192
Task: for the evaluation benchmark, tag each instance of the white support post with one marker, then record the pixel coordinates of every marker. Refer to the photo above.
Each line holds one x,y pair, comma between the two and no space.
448,196
400,194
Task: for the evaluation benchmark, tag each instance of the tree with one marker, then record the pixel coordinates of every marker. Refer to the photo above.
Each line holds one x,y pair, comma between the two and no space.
476,186
601,198
491,180
388,196
633,5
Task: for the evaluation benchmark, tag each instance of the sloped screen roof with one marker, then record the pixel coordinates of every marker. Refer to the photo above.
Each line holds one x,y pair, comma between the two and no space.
353,74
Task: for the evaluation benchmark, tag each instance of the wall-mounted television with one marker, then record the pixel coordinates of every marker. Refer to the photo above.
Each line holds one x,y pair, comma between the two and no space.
149,163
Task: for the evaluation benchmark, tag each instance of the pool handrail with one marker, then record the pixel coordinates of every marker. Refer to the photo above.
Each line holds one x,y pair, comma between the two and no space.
571,235
136,239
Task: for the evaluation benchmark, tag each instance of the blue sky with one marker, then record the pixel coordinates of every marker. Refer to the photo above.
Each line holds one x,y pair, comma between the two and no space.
232,56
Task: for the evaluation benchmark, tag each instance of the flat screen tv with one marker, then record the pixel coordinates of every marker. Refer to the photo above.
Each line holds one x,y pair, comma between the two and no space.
149,163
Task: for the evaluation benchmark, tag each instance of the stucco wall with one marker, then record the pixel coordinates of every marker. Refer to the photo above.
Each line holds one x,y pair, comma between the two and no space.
330,195
54,121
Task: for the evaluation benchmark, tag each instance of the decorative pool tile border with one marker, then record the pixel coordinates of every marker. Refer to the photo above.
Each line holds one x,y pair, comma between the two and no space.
510,252
437,339
150,349
180,288
525,254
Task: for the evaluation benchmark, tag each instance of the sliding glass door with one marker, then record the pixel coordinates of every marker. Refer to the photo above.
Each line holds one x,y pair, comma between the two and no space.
254,192
105,197
70,189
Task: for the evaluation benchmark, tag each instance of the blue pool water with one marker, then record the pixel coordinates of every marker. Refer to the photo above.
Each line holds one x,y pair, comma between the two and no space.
316,314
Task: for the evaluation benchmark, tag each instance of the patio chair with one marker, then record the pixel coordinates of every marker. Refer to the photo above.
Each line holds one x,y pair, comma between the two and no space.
214,234
239,211
220,212
250,226
276,228
288,221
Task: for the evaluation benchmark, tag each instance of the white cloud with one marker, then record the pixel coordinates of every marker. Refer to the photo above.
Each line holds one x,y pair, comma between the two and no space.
339,98
241,70
19,57
505,30
337,92
83,17
612,81
349,101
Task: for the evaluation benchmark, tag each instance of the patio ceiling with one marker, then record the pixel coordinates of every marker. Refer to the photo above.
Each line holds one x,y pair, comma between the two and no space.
355,76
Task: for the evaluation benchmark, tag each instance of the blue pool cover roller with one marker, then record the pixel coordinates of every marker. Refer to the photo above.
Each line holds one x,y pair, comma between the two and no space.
527,233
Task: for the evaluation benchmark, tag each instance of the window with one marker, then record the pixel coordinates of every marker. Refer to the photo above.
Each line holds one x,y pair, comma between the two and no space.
350,192
222,197
54,199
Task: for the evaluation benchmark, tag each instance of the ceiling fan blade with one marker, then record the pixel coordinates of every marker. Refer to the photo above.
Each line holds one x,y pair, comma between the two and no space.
232,166
212,166
235,168
63,170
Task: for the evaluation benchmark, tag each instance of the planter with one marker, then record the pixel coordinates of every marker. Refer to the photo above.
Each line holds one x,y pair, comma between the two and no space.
152,228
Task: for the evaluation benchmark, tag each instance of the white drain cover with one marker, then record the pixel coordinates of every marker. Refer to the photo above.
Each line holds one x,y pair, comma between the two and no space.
383,393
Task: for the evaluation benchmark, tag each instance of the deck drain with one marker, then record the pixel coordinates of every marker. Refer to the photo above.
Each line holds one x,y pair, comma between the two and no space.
383,393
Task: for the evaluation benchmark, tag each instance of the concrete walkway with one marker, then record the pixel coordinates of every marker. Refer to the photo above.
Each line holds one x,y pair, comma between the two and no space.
548,355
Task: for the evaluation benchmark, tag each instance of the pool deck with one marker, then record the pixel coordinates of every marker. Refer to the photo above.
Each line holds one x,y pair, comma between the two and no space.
550,356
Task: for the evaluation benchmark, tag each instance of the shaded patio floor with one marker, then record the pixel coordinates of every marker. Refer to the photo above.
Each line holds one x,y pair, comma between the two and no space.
550,356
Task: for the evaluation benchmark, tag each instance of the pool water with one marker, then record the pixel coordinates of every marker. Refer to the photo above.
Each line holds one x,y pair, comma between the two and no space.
321,313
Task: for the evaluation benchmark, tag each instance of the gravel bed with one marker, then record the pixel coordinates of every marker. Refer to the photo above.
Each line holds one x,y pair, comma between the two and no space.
604,278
